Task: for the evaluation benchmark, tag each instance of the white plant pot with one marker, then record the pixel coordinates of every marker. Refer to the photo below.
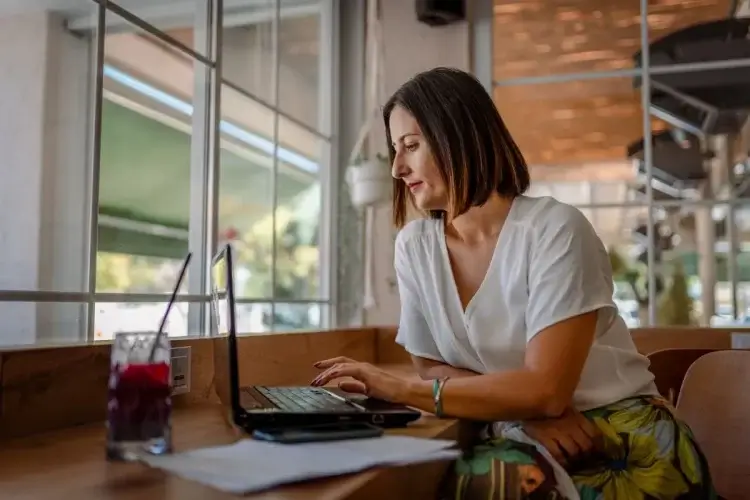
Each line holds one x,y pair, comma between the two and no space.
369,183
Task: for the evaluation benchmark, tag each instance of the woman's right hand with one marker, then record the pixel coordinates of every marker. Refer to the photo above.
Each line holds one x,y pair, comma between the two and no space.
568,438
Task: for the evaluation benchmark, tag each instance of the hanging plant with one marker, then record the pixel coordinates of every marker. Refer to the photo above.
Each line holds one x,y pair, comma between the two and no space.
369,181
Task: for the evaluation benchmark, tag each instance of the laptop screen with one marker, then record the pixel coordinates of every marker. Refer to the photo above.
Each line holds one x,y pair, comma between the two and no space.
220,294
222,301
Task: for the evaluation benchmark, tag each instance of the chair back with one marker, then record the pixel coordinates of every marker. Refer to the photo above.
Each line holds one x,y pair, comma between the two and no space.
715,402
669,367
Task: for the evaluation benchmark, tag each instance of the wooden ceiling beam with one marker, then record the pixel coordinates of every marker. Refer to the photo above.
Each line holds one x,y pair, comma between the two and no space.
583,121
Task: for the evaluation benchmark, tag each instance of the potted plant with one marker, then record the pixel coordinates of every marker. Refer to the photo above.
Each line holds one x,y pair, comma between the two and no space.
636,276
369,181
676,306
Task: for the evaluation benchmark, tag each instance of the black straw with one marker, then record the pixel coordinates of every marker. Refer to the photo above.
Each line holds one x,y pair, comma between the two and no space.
172,299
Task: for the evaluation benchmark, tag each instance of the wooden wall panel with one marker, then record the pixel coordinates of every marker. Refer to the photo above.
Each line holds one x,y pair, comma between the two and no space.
387,350
647,340
42,389
287,359
50,388
46,388
650,340
584,121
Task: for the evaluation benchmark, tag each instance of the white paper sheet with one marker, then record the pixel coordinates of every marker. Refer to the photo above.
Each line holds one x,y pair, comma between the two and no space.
250,466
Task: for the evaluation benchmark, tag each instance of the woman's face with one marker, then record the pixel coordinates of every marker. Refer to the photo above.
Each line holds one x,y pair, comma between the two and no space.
414,163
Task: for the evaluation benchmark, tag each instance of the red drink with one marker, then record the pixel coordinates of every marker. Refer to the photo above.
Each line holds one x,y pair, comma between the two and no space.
139,402
139,407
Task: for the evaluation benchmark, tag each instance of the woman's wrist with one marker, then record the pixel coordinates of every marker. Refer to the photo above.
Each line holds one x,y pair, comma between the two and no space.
437,395
417,393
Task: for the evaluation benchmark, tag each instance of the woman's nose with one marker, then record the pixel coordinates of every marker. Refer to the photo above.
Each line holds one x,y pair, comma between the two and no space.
398,169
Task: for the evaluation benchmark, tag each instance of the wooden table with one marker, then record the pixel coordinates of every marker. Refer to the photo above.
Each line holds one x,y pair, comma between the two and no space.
70,464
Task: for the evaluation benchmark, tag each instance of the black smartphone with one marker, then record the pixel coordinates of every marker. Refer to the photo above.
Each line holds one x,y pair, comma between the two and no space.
318,433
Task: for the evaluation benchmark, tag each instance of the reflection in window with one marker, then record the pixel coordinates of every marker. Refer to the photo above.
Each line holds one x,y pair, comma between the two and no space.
144,187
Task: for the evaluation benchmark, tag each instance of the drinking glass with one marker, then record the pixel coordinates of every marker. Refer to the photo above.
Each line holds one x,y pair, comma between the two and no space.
139,406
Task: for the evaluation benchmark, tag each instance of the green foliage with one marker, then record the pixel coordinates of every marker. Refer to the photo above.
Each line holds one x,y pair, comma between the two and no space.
634,274
123,273
619,266
296,259
675,304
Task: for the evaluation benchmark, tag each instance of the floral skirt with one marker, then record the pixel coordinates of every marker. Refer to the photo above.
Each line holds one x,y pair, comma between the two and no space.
648,454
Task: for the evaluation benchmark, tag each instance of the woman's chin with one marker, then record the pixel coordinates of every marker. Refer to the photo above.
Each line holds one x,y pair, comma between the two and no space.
425,203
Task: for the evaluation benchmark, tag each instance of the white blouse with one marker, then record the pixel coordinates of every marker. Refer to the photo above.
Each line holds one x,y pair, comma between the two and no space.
548,265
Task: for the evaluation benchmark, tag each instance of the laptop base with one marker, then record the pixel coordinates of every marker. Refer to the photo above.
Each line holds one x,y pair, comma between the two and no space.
262,413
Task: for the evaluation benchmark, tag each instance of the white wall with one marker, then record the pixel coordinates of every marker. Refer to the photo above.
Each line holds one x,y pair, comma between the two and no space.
43,117
410,47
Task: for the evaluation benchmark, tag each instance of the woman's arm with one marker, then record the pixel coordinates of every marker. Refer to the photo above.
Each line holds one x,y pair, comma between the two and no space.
570,281
542,389
429,369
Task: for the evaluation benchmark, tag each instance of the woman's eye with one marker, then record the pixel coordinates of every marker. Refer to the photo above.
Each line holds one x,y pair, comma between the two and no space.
411,147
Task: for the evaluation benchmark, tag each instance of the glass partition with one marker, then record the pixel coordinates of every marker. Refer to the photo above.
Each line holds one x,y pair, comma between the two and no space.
637,113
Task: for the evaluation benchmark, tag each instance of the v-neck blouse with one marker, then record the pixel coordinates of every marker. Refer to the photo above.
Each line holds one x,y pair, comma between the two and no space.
548,265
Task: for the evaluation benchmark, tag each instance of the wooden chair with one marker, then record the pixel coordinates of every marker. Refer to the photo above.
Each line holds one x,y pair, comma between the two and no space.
715,402
669,367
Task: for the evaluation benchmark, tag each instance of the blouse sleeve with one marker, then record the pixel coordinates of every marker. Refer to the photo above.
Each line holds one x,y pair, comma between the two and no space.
413,332
569,271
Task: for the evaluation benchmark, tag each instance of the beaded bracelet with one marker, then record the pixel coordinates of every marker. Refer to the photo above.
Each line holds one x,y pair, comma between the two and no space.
437,394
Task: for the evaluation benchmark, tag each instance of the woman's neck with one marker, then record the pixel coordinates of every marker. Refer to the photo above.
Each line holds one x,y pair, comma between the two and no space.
481,222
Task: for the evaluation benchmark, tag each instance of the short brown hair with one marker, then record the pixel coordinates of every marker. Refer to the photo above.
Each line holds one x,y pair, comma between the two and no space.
473,149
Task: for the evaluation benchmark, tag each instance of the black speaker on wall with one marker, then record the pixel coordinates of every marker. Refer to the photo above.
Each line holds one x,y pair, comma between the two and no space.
440,12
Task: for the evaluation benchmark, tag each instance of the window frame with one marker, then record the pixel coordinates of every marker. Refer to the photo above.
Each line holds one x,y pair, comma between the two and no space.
205,168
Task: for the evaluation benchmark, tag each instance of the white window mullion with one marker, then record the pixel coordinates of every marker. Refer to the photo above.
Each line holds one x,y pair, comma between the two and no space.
327,110
203,171
275,174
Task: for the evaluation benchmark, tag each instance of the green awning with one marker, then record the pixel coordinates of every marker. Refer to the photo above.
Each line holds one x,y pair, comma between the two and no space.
145,183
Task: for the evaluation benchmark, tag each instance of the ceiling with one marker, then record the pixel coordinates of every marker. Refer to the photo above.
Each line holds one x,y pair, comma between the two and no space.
586,120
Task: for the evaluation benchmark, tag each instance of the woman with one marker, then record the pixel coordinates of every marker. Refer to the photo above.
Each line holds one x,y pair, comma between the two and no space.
507,312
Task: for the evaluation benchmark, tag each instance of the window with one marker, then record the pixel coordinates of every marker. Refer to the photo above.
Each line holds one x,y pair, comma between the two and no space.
654,150
147,167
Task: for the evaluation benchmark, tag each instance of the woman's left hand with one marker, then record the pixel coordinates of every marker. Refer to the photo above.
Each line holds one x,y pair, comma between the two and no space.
368,379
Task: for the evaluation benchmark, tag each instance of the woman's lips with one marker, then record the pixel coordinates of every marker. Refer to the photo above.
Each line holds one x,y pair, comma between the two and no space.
414,185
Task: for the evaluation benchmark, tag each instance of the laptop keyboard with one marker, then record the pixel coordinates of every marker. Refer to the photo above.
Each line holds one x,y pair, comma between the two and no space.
305,399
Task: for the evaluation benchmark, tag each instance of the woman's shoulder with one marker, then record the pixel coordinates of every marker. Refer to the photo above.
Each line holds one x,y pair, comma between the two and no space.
545,209
544,214
417,230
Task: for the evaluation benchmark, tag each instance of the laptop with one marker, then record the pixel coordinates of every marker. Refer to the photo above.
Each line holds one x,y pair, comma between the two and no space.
262,407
